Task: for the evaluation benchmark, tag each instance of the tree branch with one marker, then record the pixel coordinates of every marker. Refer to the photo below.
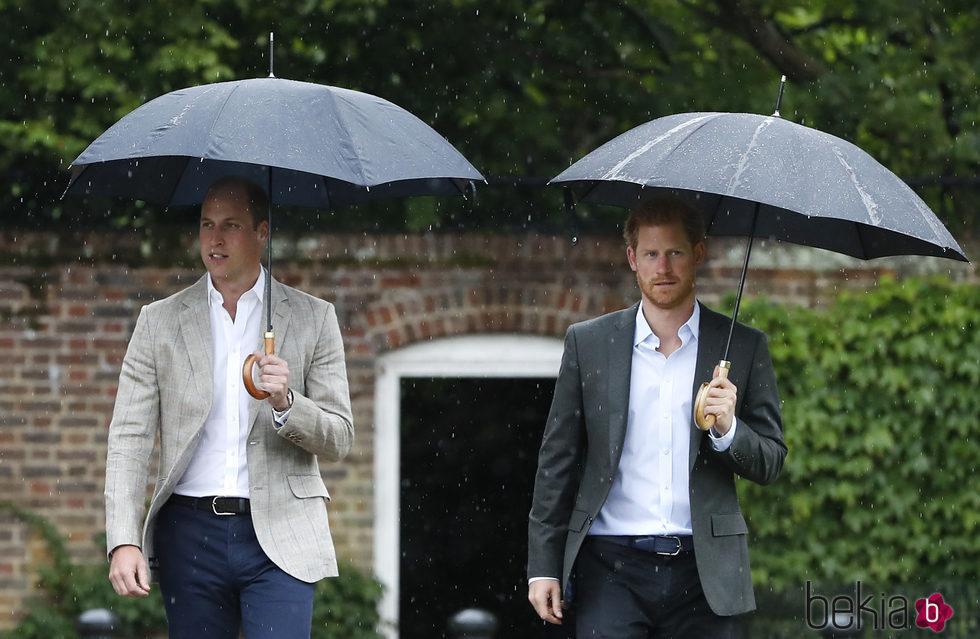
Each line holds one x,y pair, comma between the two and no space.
643,21
743,17
946,94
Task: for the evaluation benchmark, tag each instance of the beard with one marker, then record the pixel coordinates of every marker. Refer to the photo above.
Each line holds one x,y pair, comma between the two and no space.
679,293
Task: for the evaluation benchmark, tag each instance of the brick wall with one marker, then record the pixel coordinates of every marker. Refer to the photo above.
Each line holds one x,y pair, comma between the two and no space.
68,303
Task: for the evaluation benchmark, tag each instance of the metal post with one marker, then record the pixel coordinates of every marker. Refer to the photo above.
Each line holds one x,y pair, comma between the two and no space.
842,625
473,623
98,623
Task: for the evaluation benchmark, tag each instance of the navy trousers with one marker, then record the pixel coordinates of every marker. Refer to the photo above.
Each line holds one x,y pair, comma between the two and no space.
627,593
216,580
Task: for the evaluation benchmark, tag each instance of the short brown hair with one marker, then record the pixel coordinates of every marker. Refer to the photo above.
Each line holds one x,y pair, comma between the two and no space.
258,201
664,209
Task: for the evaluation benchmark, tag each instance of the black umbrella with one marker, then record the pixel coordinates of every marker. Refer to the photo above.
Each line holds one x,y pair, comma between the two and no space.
763,176
306,144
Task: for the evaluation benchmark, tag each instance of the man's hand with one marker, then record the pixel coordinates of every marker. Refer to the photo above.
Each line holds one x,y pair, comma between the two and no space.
274,379
545,596
128,572
720,402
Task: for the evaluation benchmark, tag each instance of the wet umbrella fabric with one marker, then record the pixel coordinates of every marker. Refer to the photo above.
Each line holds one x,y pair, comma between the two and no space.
763,176
308,144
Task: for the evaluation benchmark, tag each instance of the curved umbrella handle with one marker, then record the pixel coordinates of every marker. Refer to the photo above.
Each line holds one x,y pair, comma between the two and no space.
253,390
703,421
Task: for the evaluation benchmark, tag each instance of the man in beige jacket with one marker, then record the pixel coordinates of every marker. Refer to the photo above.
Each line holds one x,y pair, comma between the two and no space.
236,531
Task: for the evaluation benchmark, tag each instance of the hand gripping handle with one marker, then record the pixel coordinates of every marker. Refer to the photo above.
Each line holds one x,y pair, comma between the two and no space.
253,390
703,421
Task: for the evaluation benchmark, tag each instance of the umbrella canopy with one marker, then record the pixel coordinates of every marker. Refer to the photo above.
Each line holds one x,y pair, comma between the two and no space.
307,144
763,176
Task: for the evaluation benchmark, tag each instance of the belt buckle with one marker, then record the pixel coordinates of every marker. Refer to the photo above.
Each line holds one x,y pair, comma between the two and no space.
677,550
214,509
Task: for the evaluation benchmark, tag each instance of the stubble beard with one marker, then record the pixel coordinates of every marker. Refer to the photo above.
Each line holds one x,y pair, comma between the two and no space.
679,295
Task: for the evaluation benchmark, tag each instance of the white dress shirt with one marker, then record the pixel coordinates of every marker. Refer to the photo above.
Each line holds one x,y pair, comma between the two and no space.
650,493
219,465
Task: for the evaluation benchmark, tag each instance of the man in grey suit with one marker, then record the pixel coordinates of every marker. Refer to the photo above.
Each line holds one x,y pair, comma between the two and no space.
236,531
635,525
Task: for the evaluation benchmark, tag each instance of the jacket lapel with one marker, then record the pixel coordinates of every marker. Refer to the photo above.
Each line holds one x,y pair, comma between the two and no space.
281,313
712,333
618,390
195,330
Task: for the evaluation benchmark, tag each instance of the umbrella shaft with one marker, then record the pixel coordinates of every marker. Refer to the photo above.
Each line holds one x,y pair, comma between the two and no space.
741,281
268,276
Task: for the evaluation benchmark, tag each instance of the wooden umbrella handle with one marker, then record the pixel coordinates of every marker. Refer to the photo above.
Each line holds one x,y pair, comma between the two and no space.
703,421
253,390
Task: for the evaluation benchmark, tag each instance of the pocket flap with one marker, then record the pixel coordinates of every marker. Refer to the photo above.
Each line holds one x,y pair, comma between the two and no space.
578,520
728,524
304,486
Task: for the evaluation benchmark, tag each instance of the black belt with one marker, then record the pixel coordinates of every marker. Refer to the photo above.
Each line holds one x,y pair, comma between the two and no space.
667,545
215,505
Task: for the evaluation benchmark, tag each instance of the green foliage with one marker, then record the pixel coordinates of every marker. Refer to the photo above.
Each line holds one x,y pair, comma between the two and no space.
879,407
343,608
522,88
346,607
70,589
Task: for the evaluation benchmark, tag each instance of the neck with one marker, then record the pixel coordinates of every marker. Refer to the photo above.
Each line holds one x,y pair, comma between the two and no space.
231,291
665,323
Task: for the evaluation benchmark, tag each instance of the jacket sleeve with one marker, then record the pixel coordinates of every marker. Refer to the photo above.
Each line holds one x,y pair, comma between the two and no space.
132,434
559,469
320,420
758,450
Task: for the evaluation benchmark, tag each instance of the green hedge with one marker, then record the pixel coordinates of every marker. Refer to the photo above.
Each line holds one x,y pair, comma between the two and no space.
881,410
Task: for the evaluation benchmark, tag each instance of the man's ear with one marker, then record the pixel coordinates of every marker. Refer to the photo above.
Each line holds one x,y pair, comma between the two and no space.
262,231
699,252
631,256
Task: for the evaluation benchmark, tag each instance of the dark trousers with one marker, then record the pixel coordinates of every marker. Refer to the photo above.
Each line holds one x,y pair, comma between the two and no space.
627,593
215,580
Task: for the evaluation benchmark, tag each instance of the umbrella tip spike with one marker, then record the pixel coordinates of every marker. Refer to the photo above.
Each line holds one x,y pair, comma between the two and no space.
779,98
272,39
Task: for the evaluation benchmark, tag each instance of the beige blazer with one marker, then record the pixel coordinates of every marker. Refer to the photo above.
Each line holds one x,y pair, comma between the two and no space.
165,390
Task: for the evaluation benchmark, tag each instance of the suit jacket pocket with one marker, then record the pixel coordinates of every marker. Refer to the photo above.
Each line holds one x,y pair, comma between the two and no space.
578,520
304,486
728,524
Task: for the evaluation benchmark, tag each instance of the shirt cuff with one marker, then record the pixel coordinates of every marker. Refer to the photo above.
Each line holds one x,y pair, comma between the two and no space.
533,579
280,417
721,443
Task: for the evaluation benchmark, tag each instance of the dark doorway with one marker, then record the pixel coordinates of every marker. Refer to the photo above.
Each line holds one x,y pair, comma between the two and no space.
468,456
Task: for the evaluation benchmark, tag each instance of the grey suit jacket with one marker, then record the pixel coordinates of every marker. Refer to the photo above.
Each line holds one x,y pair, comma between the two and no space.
165,390
583,441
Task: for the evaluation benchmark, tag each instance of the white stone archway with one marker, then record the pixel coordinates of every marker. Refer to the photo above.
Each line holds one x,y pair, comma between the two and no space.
494,355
